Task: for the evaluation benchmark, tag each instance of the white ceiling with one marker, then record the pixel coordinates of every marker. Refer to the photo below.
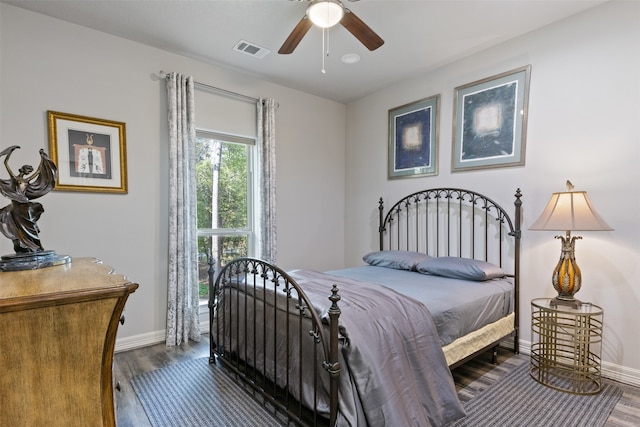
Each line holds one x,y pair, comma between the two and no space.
420,35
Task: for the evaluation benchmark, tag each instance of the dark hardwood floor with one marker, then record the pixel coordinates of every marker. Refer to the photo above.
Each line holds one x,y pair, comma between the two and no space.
128,364
470,378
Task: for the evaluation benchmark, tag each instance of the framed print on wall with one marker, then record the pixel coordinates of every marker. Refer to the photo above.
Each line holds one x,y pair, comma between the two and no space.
490,121
413,139
90,153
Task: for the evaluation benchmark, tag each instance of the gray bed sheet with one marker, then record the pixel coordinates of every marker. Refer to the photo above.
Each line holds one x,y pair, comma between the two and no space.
458,306
391,360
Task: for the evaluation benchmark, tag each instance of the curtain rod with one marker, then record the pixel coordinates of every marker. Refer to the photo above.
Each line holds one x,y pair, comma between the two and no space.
163,75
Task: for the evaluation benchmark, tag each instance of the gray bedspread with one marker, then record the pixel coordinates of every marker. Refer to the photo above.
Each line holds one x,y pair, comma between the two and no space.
394,371
458,306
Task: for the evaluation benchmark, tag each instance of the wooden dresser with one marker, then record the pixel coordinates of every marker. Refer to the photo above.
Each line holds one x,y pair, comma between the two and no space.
57,334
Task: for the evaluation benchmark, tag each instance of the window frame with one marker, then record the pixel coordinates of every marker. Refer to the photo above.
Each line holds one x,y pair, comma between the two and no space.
252,184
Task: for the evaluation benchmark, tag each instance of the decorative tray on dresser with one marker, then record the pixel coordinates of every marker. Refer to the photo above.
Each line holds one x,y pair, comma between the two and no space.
57,335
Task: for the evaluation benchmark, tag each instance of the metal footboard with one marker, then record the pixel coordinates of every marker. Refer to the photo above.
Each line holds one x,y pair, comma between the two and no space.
265,330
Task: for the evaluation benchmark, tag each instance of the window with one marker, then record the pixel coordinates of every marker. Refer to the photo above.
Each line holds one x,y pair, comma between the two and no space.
225,214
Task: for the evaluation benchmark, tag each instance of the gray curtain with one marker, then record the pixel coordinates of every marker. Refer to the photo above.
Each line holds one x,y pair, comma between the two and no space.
267,154
183,321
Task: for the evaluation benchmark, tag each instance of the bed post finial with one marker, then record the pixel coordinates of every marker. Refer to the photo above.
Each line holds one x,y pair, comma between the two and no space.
517,233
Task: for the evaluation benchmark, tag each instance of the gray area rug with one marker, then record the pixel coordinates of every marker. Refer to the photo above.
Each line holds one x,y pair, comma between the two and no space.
518,400
196,394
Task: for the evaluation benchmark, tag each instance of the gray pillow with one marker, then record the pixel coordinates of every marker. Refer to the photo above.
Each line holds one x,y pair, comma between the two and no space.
460,268
400,260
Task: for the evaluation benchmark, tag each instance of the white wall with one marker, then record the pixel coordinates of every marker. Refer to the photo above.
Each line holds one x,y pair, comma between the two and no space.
48,64
583,126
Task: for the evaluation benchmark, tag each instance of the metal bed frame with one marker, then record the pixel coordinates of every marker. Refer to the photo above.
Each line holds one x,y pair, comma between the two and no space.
439,222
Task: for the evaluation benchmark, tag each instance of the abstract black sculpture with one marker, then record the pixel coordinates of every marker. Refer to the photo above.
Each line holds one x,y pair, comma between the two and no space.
18,220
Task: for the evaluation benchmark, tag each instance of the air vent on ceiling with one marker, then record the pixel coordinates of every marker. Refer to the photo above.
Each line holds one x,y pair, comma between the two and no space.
251,49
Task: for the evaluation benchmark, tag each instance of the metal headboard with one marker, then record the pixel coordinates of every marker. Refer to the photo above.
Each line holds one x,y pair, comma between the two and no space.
451,222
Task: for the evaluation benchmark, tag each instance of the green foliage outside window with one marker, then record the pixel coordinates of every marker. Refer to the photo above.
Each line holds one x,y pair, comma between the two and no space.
221,180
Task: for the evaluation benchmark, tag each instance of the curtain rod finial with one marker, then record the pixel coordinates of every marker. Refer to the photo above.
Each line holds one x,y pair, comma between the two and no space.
160,76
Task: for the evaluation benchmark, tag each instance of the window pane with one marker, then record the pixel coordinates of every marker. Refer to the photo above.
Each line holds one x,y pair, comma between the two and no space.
221,177
223,195
223,249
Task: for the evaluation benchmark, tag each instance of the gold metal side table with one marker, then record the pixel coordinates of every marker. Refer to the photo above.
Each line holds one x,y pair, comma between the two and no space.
566,345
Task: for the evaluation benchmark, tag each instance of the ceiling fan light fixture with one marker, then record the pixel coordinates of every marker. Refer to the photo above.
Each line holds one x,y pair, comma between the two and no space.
325,13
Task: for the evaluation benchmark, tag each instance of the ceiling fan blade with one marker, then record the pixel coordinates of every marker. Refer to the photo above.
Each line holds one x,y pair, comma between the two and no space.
296,35
360,30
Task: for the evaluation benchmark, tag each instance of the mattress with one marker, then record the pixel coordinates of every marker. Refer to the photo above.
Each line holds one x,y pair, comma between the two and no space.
458,307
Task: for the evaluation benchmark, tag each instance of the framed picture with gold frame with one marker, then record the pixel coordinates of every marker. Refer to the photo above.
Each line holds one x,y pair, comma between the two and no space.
413,139
490,121
90,153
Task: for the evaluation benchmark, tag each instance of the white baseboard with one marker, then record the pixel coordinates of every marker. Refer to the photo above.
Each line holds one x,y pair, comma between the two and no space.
149,338
610,371
138,341
621,374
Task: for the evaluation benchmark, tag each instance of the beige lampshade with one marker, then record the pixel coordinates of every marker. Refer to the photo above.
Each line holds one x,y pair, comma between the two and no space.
568,211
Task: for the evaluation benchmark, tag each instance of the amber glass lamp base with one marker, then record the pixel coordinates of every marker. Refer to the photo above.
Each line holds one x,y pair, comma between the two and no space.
567,278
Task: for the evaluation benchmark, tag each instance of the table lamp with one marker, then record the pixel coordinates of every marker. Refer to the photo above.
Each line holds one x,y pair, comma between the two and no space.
568,211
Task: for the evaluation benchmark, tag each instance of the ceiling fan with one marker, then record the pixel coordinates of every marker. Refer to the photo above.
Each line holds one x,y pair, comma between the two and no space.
326,14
